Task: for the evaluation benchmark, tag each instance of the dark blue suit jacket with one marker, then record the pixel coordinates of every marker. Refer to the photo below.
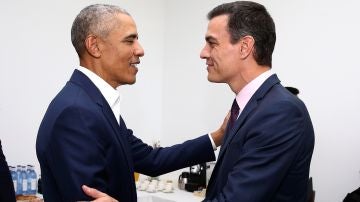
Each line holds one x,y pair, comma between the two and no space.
7,192
266,156
80,142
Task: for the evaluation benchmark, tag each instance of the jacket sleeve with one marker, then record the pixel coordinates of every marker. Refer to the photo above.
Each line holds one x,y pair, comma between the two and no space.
162,160
6,185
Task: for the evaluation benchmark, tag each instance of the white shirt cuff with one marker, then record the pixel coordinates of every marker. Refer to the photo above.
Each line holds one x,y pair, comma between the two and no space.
212,142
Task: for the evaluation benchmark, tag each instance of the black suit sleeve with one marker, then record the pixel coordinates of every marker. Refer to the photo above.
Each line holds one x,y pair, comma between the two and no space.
7,192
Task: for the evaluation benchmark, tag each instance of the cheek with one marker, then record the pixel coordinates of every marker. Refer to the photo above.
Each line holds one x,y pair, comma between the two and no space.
220,60
119,53
224,64
228,57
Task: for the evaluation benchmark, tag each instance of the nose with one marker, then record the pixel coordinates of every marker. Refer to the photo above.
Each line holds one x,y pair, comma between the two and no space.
204,52
138,51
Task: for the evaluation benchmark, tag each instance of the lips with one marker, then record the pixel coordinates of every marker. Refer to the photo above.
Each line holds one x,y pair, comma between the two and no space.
135,63
209,63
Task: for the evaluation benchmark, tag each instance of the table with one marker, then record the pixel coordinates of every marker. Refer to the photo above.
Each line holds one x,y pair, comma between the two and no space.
176,196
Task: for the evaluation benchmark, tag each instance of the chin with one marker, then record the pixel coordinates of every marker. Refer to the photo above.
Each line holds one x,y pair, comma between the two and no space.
132,81
211,79
214,80
128,82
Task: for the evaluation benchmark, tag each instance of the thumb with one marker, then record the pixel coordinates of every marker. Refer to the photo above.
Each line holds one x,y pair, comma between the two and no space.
94,193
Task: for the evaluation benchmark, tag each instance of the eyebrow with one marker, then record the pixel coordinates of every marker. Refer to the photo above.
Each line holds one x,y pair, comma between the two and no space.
131,36
210,38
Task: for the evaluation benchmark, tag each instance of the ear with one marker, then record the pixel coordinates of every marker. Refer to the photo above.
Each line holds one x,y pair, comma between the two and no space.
246,46
91,45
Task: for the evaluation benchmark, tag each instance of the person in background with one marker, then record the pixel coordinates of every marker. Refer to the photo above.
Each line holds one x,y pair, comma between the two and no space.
7,192
83,139
293,90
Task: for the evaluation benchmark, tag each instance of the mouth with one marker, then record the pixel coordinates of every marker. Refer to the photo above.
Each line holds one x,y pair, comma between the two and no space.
209,62
209,65
134,64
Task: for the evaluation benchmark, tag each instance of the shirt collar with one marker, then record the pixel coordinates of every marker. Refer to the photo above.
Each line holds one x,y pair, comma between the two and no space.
112,96
243,97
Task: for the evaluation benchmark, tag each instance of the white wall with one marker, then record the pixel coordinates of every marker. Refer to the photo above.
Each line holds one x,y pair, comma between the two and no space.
316,51
37,58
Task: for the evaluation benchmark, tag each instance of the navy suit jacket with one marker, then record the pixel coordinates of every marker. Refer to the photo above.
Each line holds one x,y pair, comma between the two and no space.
267,154
7,192
80,142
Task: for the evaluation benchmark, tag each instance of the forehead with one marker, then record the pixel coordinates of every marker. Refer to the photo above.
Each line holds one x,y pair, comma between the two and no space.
217,26
125,24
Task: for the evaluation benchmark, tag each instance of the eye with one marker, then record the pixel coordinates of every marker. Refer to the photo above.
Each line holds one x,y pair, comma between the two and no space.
129,41
211,44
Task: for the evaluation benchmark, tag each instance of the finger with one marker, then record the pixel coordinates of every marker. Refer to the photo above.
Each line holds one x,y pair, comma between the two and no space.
228,115
94,193
225,122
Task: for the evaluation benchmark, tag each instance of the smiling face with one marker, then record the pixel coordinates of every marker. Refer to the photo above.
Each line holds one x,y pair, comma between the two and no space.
222,57
119,52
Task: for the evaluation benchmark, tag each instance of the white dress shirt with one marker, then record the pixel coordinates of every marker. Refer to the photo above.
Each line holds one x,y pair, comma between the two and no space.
112,96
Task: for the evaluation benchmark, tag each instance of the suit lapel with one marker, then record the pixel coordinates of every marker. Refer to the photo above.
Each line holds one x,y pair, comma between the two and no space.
84,82
213,186
250,106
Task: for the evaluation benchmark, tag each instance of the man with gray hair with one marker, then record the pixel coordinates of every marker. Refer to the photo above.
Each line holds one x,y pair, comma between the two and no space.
82,139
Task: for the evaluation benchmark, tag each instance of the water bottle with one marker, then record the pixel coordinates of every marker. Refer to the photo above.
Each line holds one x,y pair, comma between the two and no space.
24,180
13,177
19,180
32,180
28,178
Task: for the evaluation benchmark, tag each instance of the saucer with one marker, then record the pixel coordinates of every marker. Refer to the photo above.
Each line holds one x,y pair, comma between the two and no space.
168,191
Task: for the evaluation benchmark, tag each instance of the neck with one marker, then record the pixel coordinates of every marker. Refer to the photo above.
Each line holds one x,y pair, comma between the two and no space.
246,77
96,67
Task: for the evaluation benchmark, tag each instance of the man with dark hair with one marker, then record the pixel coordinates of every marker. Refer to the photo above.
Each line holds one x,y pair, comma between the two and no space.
7,192
82,139
267,150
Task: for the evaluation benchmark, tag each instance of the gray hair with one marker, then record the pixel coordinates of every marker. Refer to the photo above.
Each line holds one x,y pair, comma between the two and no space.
97,19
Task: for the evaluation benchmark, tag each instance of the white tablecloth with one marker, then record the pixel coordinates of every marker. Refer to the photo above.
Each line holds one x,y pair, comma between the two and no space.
176,196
